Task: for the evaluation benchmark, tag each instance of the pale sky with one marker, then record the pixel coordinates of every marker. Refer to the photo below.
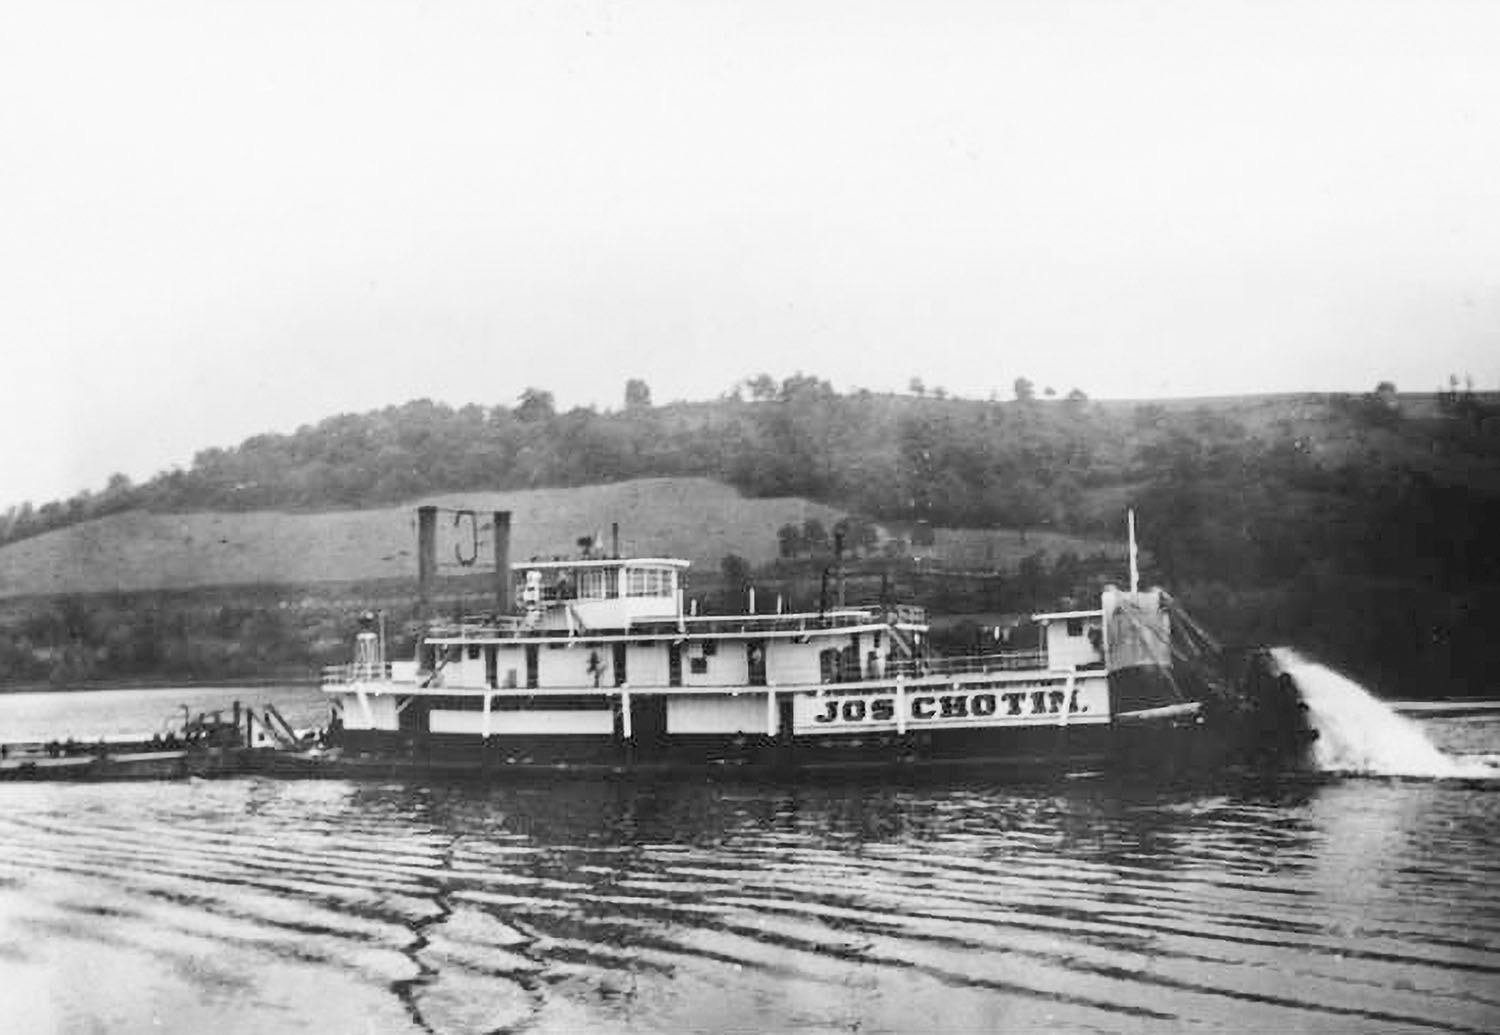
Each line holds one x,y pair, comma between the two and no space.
222,218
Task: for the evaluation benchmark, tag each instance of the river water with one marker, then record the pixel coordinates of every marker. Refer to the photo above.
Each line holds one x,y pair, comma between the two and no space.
264,905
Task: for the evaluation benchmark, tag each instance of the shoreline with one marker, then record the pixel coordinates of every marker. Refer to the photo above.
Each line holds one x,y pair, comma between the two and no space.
297,678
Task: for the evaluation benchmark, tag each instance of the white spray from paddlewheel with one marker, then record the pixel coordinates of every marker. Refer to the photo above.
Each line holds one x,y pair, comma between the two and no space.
1358,733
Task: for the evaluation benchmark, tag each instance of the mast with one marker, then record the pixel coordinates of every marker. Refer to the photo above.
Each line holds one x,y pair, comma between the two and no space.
1135,571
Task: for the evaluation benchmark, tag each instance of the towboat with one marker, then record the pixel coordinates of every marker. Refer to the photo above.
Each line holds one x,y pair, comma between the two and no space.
598,663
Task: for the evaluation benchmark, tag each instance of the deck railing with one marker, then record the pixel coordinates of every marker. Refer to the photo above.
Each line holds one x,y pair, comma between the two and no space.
1005,661
356,672
477,627
489,627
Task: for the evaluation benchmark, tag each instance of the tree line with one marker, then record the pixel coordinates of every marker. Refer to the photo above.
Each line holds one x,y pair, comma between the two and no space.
918,457
1359,524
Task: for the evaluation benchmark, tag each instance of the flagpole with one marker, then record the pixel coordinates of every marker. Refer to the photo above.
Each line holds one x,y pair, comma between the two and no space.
1135,572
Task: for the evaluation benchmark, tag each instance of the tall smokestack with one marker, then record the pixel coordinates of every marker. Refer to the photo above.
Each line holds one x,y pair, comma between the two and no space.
426,557
614,539
502,561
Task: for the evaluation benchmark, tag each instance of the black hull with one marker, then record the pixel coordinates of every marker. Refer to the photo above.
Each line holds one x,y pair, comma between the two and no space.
152,765
1024,753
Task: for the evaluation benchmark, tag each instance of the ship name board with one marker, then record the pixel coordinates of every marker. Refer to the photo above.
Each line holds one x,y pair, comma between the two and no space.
928,707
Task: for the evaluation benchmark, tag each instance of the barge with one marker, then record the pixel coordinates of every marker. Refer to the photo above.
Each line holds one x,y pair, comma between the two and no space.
599,663
208,745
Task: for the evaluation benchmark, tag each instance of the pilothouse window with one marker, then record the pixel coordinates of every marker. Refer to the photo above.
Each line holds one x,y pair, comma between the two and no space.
649,582
596,584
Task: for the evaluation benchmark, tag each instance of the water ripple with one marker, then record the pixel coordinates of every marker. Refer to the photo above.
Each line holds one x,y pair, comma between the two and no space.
616,907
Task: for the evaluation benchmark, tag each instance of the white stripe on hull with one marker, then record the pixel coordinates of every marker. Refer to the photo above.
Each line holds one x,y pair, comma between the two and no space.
509,722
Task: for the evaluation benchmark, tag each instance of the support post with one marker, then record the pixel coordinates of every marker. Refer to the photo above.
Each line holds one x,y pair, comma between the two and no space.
625,727
500,522
900,706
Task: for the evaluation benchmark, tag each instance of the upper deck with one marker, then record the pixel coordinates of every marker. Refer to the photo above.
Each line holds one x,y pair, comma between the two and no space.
639,597
490,628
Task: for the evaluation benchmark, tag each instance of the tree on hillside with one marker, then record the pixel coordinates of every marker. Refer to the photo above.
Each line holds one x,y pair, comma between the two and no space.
1379,408
536,404
637,394
789,540
814,536
1031,578
762,387
1067,573
736,572
805,386
860,534
1025,390
1465,404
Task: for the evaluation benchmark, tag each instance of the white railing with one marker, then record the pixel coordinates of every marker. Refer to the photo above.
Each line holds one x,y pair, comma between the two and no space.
1005,661
477,627
356,672
512,626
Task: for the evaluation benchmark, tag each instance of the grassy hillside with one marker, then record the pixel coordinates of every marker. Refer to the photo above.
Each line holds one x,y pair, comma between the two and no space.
696,518
203,596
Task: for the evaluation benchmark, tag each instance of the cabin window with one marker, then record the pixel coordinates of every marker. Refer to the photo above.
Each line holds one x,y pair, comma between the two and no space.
597,584
1075,626
755,662
828,664
698,666
473,652
649,582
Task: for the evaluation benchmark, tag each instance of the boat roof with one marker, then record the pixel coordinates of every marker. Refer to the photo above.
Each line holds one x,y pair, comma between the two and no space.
1055,615
601,562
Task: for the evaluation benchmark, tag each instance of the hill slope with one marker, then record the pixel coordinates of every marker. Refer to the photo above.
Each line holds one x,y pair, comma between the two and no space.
696,518
699,519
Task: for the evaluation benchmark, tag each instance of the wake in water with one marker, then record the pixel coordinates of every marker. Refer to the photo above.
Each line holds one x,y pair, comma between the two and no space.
1358,733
